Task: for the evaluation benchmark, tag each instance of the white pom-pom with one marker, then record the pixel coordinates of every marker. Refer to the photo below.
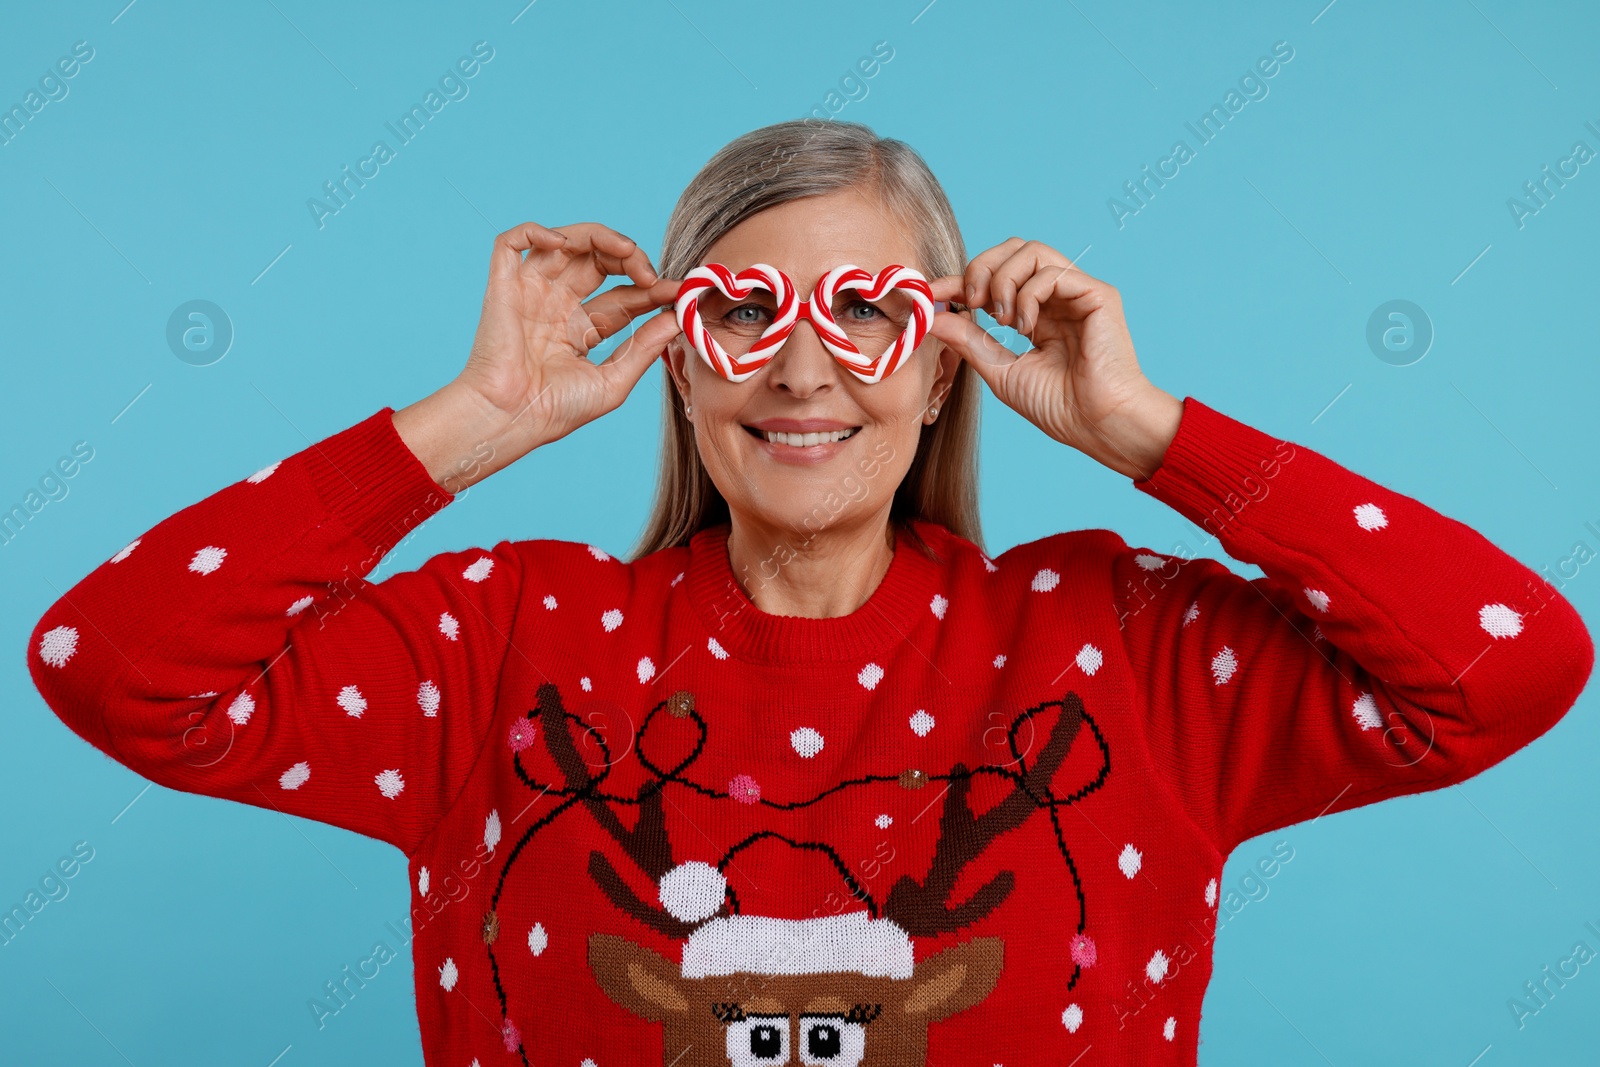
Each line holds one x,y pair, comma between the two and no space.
692,891
448,974
491,830
538,940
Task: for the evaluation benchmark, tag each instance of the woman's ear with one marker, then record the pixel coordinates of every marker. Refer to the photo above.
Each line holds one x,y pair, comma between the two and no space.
949,363
674,357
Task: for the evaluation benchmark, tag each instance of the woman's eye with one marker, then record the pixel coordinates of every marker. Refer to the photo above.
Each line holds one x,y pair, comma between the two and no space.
747,314
863,305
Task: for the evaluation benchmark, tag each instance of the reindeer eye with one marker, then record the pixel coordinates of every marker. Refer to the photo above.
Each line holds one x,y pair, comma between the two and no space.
759,1040
831,1040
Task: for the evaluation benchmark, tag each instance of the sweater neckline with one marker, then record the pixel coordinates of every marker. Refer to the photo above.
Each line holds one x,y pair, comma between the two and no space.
744,630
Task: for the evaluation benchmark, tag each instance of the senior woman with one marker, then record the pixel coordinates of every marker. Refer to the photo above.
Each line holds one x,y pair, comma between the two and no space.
811,778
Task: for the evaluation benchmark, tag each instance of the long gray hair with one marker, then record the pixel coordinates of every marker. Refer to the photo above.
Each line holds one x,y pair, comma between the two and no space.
771,166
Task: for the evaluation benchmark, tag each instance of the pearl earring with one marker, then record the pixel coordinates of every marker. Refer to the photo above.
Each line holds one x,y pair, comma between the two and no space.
687,408
934,412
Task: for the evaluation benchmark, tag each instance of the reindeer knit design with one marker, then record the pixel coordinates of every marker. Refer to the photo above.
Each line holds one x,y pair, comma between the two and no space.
980,820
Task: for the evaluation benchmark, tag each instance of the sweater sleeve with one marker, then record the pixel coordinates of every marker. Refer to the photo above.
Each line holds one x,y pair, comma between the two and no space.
1388,650
237,650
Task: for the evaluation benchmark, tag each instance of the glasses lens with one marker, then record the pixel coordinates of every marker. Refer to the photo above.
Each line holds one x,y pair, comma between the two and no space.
737,324
872,327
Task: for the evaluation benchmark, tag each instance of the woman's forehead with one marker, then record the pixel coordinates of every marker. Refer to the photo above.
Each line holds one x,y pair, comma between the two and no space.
808,237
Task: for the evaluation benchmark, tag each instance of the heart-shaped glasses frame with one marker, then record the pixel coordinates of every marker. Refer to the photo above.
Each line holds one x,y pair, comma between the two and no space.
791,309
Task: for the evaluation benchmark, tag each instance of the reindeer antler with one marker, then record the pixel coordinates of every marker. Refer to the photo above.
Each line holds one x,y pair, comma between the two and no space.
646,844
920,908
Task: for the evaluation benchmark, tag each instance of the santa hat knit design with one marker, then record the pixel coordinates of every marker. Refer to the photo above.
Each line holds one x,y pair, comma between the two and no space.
853,942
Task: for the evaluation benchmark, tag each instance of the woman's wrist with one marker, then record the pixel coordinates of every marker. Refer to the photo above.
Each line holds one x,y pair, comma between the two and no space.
457,435
1135,438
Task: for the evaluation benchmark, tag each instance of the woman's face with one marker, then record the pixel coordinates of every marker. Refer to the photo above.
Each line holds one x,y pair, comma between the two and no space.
806,488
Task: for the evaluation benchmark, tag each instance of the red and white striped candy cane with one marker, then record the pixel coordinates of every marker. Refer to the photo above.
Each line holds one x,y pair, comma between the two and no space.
819,309
736,287
791,309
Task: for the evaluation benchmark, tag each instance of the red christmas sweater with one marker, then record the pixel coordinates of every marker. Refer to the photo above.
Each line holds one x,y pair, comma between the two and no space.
982,819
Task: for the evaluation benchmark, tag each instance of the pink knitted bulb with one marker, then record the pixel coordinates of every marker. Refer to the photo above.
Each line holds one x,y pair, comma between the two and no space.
744,789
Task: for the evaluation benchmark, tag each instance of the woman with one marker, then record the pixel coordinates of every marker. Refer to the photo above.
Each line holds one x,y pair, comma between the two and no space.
812,778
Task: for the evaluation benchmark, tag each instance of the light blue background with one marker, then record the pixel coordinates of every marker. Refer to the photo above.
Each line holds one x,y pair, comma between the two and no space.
1378,167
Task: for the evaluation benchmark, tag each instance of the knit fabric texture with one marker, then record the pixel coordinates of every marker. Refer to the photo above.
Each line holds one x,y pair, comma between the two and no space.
982,819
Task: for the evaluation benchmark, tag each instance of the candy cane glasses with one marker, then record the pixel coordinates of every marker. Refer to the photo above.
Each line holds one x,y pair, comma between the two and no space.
870,322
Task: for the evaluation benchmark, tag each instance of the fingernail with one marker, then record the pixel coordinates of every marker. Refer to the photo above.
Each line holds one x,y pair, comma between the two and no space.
999,309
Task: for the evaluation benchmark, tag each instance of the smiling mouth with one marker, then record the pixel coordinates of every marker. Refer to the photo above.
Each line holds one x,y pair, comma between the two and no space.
802,440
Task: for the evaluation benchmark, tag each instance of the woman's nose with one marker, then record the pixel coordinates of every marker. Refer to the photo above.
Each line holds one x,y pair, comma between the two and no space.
803,365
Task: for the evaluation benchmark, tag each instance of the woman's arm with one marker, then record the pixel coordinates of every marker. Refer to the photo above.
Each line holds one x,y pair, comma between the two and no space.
1389,649
236,649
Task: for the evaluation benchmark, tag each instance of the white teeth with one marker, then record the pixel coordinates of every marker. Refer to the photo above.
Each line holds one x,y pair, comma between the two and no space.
801,440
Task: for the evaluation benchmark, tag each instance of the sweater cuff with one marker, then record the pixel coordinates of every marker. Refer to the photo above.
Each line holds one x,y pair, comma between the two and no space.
369,478
1214,466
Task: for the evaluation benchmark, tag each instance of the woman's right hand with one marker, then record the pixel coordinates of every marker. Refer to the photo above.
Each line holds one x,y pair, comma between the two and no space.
529,380
530,358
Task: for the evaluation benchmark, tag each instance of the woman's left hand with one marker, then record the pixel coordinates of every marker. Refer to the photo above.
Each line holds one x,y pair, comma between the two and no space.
1080,383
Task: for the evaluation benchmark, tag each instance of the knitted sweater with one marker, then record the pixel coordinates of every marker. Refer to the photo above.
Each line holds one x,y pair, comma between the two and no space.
982,819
